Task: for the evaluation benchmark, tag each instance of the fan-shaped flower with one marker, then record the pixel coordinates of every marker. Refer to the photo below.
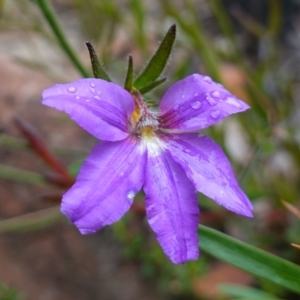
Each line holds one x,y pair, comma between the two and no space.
160,152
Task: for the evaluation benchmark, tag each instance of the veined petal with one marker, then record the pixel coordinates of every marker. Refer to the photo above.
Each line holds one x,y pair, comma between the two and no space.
197,102
100,107
105,187
171,206
210,171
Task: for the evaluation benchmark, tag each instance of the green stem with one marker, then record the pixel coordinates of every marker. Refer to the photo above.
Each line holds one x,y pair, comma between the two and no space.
250,164
227,29
18,175
195,32
49,14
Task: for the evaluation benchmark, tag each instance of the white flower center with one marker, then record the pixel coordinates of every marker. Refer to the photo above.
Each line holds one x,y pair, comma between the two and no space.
144,125
153,144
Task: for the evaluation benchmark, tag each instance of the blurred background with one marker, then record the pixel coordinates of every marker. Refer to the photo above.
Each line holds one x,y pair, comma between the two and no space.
251,46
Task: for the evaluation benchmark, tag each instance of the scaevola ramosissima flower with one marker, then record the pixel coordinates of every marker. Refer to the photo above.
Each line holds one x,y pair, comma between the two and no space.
160,152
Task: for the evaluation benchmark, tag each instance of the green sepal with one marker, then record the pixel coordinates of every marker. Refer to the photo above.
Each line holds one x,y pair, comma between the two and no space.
250,259
98,70
158,61
73,168
129,77
152,85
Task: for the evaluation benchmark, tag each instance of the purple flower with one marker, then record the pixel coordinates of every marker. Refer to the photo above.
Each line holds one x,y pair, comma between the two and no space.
161,152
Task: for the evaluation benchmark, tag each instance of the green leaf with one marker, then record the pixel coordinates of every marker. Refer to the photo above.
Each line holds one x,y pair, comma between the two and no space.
238,291
73,169
51,18
98,70
129,76
139,17
9,293
152,85
23,176
158,62
250,259
31,221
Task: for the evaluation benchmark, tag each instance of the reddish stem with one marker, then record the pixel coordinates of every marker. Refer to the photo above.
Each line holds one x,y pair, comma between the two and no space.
40,147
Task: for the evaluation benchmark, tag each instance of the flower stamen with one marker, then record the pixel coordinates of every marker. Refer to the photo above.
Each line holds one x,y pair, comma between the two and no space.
143,122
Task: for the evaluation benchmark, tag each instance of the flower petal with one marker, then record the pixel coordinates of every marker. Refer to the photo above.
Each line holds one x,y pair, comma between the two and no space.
171,206
197,102
105,187
210,171
100,107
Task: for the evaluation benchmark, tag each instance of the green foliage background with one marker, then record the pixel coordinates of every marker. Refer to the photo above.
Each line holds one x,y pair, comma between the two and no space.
266,133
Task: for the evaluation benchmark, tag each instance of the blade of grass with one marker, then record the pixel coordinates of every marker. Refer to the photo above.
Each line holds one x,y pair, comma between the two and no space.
250,259
138,12
243,292
193,30
31,221
275,17
50,16
227,28
18,175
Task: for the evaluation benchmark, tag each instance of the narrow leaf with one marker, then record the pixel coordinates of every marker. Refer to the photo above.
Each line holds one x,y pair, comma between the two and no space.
31,221
73,169
51,18
7,292
98,70
159,60
152,85
238,291
23,176
250,259
129,76
296,246
293,209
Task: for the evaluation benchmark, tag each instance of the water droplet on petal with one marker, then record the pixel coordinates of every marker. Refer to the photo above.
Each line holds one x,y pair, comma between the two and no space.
87,100
216,94
195,77
186,150
97,97
175,107
207,79
92,90
92,84
215,114
196,105
71,89
130,195
77,97
233,101
211,100
99,92
122,174
183,96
